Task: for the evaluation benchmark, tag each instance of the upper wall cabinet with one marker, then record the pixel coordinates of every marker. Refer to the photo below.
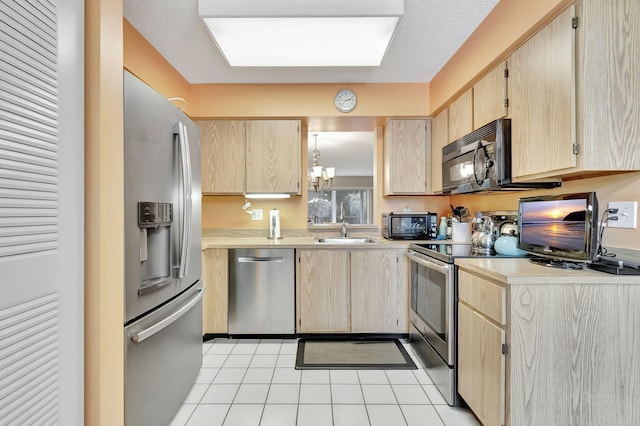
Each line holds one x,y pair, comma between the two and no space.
223,156
406,155
574,93
461,116
273,156
490,97
439,138
241,156
541,88
608,84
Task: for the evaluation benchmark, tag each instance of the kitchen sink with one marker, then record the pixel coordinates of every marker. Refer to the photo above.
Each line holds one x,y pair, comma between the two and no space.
346,240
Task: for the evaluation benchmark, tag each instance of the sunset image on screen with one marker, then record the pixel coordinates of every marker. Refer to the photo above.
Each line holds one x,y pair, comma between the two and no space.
554,223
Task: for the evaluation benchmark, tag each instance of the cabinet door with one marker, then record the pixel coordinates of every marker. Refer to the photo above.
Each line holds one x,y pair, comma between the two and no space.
215,277
223,156
378,299
490,96
461,116
542,103
273,156
481,366
322,291
406,155
439,138
608,85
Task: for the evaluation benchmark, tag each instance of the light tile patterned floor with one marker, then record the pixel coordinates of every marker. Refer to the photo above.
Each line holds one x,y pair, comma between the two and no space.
255,383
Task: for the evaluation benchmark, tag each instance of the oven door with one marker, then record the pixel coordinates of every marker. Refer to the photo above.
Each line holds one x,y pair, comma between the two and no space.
433,303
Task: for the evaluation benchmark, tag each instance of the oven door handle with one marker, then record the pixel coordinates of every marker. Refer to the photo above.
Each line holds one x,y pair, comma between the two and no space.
427,263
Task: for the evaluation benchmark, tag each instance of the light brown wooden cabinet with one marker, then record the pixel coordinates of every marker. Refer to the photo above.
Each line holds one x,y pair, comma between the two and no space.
223,156
490,97
407,155
357,291
481,336
250,156
215,301
573,100
439,138
541,88
273,156
461,116
322,291
379,299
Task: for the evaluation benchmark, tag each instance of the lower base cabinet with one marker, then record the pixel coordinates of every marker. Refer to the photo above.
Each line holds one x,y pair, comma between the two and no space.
215,301
481,365
353,291
571,343
322,291
481,336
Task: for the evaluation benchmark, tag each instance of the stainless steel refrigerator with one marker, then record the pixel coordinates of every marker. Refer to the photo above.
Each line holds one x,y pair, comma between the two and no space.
162,222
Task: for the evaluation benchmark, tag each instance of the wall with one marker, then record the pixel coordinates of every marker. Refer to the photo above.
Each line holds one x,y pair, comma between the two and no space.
104,198
619,187
148,65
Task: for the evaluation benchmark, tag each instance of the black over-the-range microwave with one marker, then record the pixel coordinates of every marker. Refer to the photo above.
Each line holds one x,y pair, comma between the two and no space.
481,161
410,226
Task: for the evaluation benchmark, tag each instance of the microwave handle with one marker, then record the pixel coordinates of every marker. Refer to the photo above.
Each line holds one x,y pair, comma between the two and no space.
427,263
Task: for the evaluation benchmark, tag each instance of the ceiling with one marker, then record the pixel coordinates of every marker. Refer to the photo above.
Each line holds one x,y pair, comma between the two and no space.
426,37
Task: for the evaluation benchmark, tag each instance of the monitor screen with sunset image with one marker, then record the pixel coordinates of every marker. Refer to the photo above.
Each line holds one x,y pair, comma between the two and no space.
559,226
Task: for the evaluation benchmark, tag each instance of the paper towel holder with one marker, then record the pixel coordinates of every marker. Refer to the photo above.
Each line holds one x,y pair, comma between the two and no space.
274,225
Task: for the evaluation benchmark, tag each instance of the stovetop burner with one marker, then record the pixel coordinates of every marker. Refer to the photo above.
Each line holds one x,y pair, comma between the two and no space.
447,252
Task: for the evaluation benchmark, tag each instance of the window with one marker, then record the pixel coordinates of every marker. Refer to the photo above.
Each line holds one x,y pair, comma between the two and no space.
335,206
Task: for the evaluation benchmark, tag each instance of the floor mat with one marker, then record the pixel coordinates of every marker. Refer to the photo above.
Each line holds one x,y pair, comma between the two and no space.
369,354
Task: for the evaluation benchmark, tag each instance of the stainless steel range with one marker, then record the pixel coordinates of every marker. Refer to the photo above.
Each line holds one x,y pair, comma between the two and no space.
434,313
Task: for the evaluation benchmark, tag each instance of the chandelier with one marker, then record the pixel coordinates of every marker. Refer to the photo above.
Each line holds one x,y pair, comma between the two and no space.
320,178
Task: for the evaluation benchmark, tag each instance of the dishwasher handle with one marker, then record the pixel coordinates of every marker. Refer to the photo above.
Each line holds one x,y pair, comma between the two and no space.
257,259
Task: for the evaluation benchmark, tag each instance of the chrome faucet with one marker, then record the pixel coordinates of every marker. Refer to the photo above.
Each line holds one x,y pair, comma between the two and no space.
343,229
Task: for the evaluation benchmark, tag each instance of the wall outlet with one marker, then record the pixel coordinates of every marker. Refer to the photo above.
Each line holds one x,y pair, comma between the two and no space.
256,214
627,214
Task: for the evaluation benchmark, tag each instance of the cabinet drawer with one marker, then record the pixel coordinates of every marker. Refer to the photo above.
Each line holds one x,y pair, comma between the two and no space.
484,296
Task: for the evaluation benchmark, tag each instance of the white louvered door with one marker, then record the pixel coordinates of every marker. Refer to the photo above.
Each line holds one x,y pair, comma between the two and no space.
41,211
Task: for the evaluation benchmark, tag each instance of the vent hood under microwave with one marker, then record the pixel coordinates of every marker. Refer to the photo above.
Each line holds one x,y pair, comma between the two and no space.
481,161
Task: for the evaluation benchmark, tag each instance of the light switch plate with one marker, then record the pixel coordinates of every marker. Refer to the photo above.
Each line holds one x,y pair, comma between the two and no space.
256,214
627,214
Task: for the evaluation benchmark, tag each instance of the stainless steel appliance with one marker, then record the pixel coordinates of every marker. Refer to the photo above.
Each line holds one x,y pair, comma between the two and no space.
162,303
410,226
261,292
434,311
481,161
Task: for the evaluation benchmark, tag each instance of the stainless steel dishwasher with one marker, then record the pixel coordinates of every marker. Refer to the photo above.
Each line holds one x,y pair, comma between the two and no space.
261,291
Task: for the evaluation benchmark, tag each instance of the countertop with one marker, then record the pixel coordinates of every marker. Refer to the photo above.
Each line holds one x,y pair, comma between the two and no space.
296,239
521,271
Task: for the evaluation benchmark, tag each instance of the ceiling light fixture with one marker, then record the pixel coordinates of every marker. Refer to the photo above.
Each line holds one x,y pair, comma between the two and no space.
302,33
319,178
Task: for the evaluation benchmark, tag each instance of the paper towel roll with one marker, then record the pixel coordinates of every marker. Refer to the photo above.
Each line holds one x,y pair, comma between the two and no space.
274,224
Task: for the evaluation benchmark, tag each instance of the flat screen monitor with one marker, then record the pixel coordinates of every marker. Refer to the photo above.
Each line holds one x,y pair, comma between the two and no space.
562,227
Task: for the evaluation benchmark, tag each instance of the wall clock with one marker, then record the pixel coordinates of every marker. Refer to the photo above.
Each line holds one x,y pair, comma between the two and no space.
345,100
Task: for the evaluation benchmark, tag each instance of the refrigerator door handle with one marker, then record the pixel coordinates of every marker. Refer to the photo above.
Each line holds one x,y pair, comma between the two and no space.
185,159
144,334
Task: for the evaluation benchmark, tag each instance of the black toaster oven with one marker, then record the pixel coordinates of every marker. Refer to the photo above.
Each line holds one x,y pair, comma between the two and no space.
410,226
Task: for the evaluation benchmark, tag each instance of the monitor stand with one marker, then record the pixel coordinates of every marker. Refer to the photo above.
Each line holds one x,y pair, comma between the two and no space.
553,263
